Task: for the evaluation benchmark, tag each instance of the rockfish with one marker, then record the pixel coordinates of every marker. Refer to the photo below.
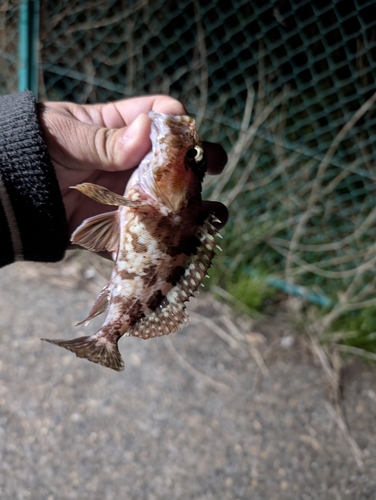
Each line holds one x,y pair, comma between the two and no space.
163,238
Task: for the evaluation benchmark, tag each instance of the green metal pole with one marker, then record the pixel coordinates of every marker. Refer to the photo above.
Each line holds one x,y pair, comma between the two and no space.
28,46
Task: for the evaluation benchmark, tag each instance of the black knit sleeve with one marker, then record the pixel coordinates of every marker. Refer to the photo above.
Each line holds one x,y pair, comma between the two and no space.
32,217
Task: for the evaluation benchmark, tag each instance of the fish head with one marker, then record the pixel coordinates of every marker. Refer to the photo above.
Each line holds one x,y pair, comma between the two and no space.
174,170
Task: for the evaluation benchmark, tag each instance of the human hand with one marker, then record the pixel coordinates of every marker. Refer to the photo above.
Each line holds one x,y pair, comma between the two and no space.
102,143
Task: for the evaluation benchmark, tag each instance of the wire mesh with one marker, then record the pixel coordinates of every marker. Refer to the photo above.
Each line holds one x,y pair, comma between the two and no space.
9,18
288,88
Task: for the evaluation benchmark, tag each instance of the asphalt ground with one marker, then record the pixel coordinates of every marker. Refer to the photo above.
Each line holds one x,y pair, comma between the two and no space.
226,409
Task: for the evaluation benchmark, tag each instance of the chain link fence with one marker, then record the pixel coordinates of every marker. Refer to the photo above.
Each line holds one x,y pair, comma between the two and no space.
288,88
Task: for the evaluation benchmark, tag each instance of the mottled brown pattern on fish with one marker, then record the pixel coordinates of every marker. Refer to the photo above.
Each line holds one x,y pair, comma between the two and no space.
165,226
175,142
172,241
117,299
155,300
112,331
137,246
126,275
136,312
150,274
187,246
128,308
175,275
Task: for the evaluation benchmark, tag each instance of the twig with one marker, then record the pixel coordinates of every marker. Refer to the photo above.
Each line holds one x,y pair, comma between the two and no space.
191,369
259,373
89,25
337,411
320,174
257,356
256,239
245,140
338,245
311,268
71,11
337,416
332,375
216,329
230,324
356,351
240,183
230,298
282,167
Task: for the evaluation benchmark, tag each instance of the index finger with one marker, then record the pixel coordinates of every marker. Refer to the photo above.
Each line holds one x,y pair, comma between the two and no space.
121,113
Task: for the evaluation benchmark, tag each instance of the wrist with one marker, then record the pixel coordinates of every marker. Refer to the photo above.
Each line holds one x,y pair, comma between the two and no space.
33,223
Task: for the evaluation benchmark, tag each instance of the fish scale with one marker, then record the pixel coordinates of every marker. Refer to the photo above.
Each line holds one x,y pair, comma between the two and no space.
163,238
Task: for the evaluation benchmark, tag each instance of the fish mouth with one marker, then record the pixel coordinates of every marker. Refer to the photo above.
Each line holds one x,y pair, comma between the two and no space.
163,174
175,125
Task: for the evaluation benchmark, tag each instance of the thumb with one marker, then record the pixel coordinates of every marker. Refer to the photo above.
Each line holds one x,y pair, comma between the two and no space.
114,149
82,146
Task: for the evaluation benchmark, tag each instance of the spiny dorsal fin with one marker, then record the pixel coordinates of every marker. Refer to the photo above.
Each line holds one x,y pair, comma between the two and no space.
170,315
98,233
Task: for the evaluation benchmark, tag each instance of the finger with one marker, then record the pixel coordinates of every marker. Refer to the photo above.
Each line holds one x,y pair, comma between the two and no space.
219,210
81,146
119,114
216,157
98,148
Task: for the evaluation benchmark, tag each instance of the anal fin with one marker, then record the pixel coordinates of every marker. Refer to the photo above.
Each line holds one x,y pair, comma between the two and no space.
167,318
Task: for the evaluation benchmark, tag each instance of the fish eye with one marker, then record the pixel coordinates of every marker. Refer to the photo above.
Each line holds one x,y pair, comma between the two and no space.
195,154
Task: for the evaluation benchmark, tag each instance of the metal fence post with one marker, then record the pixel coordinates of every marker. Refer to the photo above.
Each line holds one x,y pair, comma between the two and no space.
28,45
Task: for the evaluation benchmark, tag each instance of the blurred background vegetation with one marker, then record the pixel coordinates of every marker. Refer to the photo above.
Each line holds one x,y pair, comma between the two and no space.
286,86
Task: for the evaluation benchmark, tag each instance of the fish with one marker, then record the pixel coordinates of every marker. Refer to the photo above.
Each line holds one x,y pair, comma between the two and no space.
163,238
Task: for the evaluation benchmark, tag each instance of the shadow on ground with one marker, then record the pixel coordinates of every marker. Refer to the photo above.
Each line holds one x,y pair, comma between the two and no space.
198,415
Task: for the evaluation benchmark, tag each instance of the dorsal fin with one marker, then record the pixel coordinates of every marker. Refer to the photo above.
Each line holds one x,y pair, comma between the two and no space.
170,316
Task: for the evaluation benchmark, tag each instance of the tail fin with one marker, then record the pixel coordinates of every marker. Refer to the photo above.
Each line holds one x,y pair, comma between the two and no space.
97,350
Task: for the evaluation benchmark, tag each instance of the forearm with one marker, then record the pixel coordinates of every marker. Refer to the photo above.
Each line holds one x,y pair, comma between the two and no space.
32,217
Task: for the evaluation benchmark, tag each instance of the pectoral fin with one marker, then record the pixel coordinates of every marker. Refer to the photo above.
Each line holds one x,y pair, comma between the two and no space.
104,196
98,233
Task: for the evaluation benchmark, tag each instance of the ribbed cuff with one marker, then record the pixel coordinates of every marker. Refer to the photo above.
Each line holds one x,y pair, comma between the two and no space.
33,224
